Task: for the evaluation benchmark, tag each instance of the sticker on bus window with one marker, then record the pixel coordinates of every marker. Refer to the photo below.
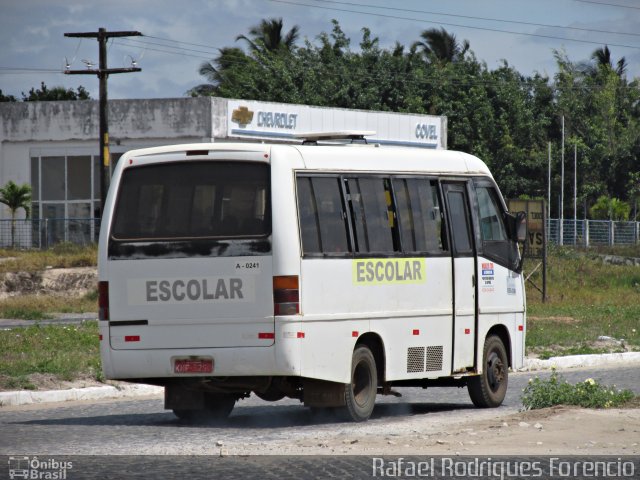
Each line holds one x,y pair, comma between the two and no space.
487,277
382,271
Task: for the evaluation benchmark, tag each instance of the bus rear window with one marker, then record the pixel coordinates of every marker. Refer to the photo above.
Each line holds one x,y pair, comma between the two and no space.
190,200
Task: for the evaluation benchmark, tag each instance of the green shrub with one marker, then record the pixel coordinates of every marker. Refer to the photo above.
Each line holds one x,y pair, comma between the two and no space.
557,391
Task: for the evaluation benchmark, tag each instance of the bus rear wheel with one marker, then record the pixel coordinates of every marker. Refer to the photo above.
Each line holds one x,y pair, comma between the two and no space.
360,394
488,389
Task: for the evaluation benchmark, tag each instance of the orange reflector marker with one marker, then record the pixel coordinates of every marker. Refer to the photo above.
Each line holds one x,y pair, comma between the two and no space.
132,338
286,296
467,331
416,331
354,333
521,328
285,282
100,337
266,335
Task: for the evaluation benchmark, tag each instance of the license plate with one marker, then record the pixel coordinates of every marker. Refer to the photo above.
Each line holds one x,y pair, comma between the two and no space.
193,365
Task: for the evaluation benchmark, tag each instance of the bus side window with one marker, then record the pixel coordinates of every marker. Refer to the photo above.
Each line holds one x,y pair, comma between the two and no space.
418,208
322,225
491,225
495,242
372,213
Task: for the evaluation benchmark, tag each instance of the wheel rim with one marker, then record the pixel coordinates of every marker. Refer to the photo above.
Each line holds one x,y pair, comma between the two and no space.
361,384
495,371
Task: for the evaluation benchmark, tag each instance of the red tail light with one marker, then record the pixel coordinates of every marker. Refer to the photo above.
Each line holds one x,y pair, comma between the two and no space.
286,297
103,300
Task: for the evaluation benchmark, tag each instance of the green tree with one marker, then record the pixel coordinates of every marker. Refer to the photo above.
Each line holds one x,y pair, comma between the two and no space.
54,94
268,36
16,197
602,59
500,115
6,98
610,209
441,46
234,73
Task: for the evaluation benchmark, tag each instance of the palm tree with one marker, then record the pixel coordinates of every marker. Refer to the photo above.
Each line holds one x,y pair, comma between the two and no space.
601,60
214,72
263,38
267,36
16,197
441,46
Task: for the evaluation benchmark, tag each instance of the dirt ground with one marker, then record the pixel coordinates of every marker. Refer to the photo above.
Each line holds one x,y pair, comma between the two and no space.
558,430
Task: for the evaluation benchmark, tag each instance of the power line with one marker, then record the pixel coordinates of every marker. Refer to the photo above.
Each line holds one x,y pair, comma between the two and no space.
480,18
180,53
29,69
179,41
180,49
240,59
396,17
608,4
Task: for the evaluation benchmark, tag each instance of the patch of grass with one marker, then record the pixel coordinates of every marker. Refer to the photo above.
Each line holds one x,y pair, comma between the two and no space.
545,354
16,383
586,299
557,391
63,255
65,351
39,307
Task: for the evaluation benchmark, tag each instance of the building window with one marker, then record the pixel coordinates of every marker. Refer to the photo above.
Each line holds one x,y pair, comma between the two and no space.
65,198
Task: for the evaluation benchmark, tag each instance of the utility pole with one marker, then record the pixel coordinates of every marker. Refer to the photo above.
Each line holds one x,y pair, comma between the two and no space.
549,185
575,193
562,188
103,73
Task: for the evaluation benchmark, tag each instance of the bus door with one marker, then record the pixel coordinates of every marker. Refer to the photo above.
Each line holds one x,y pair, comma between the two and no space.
464,280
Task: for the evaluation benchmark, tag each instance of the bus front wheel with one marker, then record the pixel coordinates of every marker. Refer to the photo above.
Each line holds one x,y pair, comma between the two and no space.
360,394
488,389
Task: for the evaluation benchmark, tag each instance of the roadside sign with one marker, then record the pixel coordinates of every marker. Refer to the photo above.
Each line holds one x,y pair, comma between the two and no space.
536,245
535,209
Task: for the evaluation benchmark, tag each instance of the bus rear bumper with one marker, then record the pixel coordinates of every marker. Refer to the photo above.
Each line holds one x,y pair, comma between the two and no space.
282,358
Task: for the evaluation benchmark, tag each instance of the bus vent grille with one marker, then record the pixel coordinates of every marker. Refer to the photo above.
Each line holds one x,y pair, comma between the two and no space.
434,359
415,359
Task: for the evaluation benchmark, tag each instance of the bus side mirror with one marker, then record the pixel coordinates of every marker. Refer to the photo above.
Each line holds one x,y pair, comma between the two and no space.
516,226
521,226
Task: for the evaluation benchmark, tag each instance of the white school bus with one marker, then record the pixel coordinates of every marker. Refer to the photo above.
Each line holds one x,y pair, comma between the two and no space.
325,273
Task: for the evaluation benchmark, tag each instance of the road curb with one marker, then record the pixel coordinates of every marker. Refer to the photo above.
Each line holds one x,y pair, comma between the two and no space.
575,361
26,397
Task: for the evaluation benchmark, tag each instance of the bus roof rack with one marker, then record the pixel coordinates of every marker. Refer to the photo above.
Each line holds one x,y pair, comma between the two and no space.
312,138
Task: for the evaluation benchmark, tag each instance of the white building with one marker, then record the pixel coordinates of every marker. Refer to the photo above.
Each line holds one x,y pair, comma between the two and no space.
53,146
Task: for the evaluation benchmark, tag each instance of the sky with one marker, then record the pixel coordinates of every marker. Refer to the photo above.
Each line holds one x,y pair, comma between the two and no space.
179,35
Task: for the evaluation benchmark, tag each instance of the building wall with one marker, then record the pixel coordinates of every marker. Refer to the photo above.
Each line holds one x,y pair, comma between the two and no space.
41,130
29,129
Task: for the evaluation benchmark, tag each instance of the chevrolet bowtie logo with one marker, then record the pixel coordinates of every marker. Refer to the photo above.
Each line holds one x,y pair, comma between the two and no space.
242,115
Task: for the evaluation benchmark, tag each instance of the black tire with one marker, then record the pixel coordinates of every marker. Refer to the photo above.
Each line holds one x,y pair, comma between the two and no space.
218,407
488,389
360,394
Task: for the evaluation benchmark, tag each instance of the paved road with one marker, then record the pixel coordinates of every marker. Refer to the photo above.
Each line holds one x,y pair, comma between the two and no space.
143,427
